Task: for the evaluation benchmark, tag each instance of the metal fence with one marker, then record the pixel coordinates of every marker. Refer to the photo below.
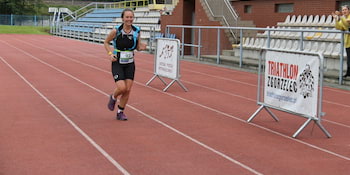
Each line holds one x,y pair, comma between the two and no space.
301,33
24,20
96,32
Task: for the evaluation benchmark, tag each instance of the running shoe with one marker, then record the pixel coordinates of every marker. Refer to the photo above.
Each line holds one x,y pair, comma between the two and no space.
111,103
121,116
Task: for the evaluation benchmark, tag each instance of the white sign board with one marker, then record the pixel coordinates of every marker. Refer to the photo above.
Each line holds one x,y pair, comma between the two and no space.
167,58
167,62
291,82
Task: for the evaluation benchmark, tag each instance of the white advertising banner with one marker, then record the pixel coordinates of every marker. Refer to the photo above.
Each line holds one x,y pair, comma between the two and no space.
167,58
291,82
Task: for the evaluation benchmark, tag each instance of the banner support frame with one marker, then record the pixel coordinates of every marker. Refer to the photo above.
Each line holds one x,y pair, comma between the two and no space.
155,76
178,82
267,109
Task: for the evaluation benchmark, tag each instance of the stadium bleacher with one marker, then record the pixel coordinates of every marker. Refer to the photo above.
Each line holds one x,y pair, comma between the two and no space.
313,41
95,26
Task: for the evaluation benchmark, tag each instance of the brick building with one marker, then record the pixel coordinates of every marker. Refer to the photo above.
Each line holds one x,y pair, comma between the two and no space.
268,12
191,12
261,13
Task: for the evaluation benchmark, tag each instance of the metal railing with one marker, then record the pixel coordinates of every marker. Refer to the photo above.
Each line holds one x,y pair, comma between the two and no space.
94,5
24,20
301,38
222,9
96,32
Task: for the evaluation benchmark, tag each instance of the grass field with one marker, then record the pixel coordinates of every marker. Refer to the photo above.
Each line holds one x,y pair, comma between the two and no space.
24,29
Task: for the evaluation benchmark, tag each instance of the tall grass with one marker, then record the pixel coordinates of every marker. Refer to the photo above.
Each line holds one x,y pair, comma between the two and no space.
24,29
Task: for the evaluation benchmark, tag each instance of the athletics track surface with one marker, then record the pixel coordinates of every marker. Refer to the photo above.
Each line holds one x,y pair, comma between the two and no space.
54,119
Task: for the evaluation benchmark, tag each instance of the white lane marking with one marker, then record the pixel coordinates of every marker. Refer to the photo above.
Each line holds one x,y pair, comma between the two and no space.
146,115
225,114
218,77
76,127
220,68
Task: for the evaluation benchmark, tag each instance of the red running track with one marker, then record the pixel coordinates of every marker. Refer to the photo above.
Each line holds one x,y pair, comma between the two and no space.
54,119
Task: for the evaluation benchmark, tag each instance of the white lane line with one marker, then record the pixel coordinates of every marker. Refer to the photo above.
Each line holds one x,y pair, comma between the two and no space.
146,115
254,85
76,127
229,70
335,103
213,89
210,88
218,77
347,92
228,115
250,99
336,123
256,125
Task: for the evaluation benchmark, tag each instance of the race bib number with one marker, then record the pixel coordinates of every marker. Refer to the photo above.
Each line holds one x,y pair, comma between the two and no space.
126,57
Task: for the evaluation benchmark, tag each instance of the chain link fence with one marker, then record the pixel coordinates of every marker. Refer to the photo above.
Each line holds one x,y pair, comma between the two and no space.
24,20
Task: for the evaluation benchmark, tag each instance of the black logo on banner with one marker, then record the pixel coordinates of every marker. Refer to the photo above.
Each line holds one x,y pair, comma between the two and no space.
167,51
306,82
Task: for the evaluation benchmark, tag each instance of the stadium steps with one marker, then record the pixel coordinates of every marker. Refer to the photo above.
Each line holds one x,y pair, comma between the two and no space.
240,23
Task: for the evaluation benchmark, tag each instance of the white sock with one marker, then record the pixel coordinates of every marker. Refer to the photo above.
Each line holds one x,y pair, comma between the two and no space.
113,97
120,109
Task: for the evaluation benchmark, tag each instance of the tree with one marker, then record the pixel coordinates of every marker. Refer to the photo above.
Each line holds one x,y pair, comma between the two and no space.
20,7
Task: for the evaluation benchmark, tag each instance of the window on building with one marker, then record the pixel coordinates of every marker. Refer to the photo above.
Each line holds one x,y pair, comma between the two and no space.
247,9
284,8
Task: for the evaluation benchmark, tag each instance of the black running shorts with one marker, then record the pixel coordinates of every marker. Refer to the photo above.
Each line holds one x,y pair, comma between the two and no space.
123,71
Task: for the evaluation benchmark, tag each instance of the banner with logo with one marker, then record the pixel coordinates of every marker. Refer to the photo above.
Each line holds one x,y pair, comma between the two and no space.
291,82
167,58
